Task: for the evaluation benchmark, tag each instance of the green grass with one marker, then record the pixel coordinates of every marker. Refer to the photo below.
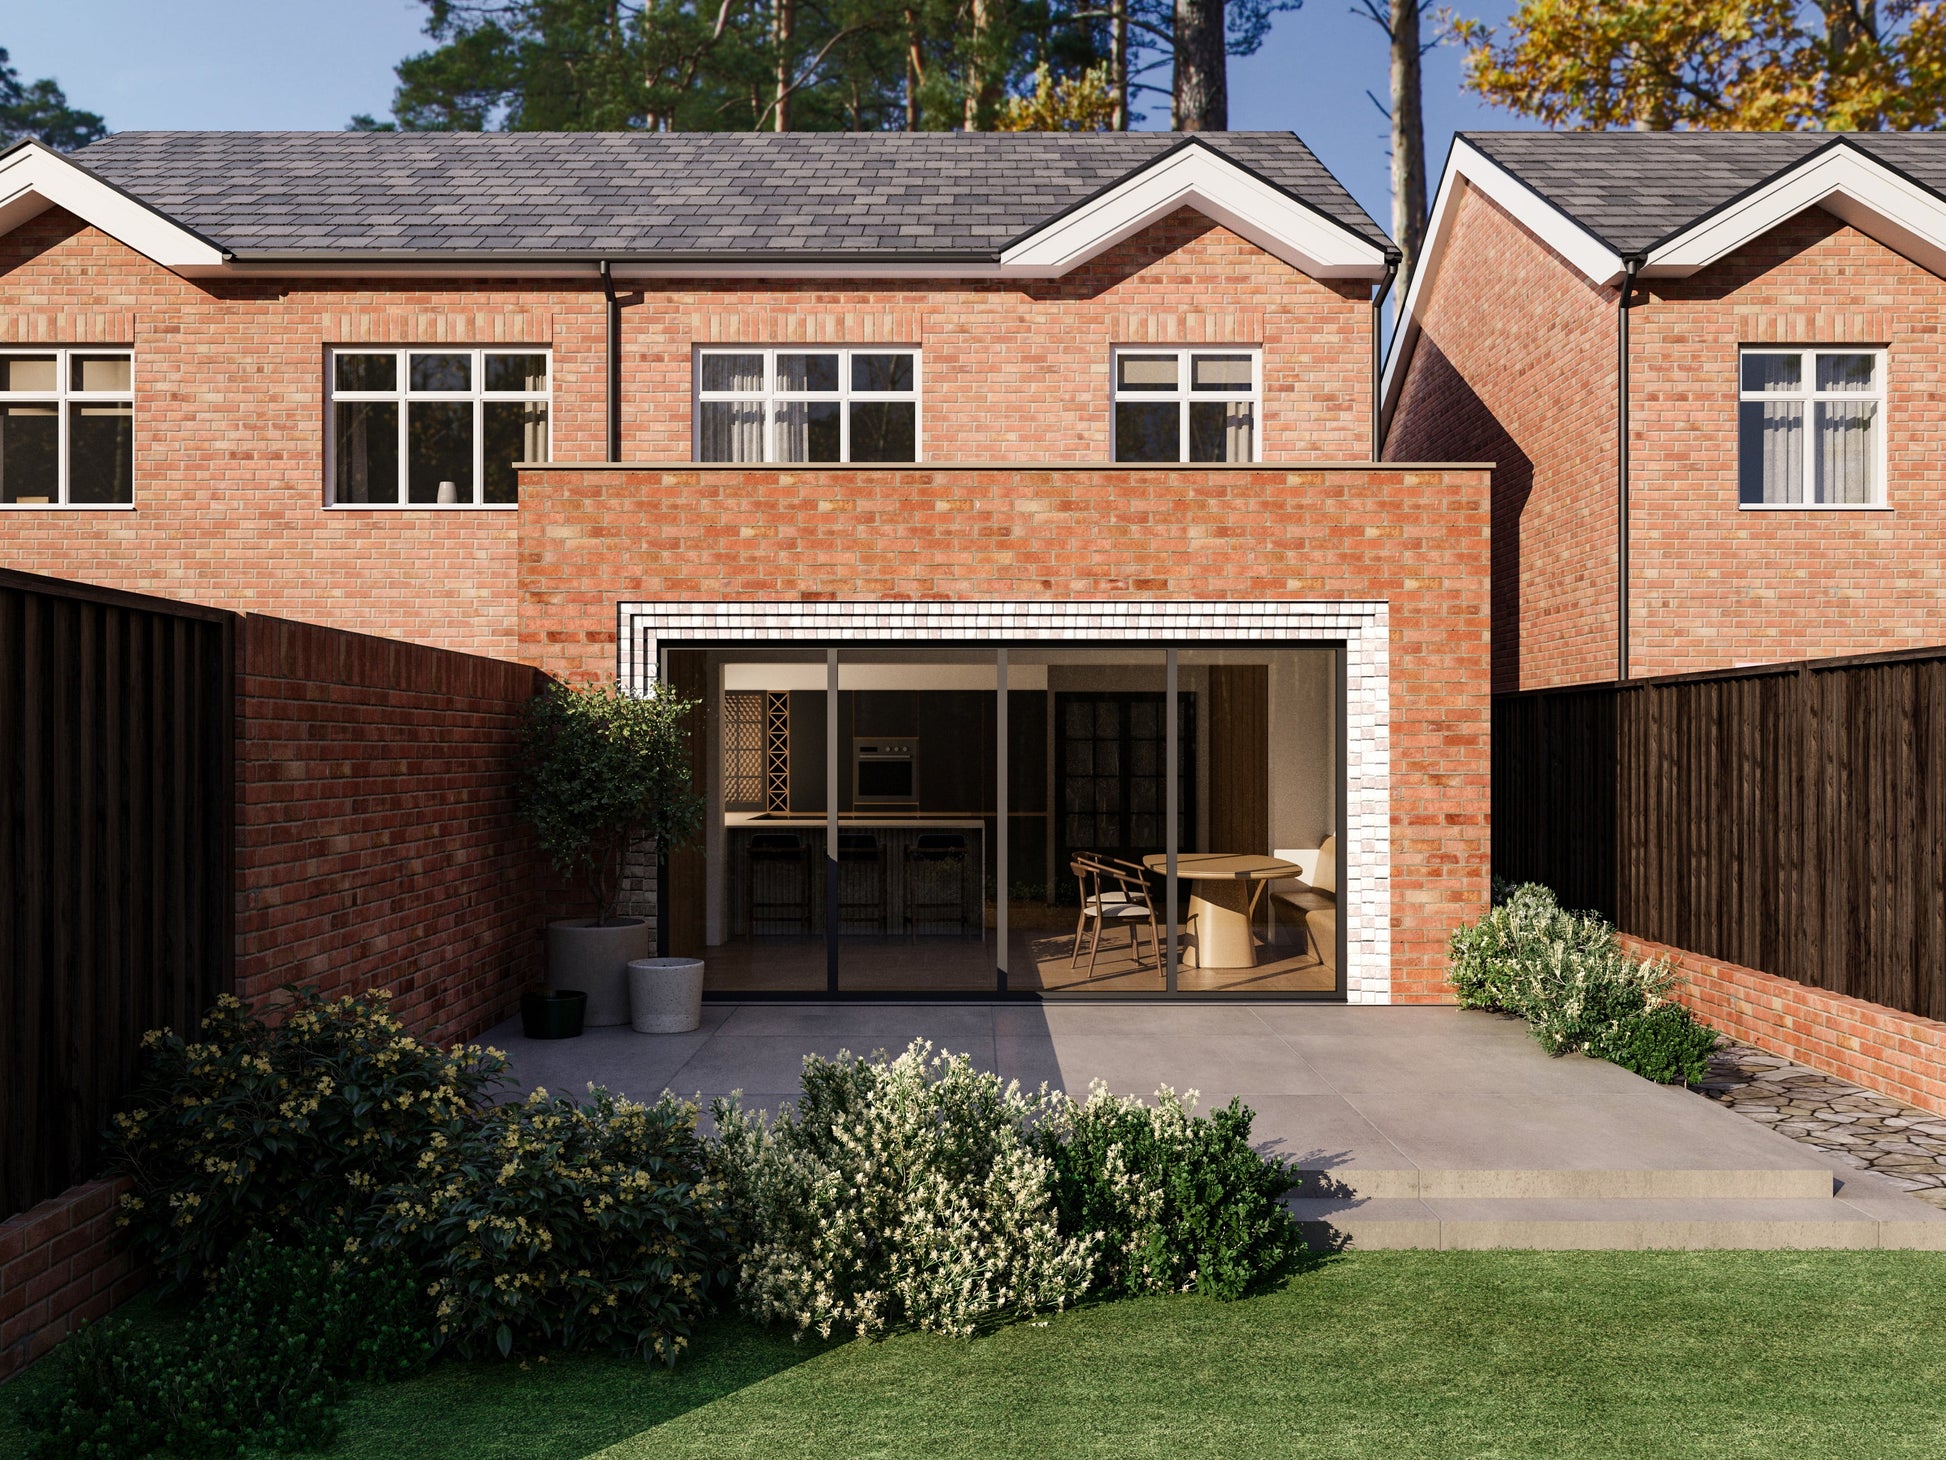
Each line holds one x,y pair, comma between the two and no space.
1382,1354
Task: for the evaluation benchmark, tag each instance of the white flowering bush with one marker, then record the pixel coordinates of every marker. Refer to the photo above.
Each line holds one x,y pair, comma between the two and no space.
908,1192
1177,1202
1565,974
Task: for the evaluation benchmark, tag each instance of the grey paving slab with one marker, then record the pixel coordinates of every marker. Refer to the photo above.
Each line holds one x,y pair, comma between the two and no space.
890,1024
627,1063
1216,1066
775,1062
1159,1022
1317,1132
1439,1064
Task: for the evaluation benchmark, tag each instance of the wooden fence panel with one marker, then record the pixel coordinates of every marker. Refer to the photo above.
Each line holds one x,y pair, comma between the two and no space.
1790,818
116,788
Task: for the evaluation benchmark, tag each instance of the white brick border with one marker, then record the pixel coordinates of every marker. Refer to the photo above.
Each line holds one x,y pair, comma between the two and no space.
1365,841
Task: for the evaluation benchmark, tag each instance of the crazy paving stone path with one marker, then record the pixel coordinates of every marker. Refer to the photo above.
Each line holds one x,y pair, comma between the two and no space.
1859,1127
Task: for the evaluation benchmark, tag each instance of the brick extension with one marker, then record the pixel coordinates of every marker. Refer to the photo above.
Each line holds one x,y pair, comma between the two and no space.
1882,1049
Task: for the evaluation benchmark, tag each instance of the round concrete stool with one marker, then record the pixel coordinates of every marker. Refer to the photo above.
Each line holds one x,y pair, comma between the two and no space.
665,995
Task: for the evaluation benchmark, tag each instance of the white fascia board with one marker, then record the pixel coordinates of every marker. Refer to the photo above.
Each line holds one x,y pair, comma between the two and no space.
1196,176
34,178
1468,167
1843,180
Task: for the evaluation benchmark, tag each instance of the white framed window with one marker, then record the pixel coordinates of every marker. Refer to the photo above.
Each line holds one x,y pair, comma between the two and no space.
1811,428
1187,405
434,427
67,427
797,404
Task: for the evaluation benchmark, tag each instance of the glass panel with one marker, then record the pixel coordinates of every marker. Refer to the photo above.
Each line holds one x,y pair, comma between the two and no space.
1145,372
884,430
439,440
515,431
881,372
732,430
28,372
101,372
442,372
807,372
1147,432
807,431
101,453
1219,372
1220,430
1847,459
30,453
1772,372
1847,372
365,450
516,372
366,372
1770,451
733,372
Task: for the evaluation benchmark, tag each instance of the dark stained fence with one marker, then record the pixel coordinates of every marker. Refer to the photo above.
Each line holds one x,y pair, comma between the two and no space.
116,792
1790,818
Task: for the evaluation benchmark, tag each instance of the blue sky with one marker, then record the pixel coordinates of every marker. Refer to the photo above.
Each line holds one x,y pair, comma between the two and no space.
278,63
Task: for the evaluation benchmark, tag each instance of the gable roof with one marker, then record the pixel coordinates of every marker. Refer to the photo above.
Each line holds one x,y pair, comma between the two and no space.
1670,203
857,202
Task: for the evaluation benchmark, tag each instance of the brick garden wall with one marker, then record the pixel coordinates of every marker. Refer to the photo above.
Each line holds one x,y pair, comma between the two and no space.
1899,1054
591,537
377,841
61,1265
231,414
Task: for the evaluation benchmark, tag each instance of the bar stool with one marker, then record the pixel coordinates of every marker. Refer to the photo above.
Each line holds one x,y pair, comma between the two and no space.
777,884
935,880
861,883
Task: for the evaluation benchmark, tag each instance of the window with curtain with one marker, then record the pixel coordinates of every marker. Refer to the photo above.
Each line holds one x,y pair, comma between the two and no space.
1186,405
435,428
793,404
67,428
1811,428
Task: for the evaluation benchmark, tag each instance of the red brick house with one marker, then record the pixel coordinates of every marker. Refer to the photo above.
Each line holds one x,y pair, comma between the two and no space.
937,467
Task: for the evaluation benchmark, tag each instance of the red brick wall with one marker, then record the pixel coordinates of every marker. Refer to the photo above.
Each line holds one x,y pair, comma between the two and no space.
230,410
377,841
1516,365
592,537
61,1264
1901,1055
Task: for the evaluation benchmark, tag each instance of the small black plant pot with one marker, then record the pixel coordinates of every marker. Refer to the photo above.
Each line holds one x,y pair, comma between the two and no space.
556,1014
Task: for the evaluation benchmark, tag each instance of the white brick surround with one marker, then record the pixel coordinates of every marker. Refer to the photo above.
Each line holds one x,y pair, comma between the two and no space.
1365,842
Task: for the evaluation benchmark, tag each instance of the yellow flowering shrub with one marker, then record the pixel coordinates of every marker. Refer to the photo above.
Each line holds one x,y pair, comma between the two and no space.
259,1127
552,1223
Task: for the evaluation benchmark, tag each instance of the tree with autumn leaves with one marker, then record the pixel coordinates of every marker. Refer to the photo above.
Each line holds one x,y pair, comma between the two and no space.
1744,65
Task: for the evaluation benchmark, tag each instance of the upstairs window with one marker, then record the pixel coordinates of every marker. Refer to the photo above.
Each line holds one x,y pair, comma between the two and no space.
1187,405
67,428
1811,428
807,405
434,428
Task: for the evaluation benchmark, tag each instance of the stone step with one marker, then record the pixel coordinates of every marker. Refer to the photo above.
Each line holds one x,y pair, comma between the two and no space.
1560,1225
1810,1181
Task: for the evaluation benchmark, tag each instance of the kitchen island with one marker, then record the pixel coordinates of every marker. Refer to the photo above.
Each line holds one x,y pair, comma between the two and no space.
909,875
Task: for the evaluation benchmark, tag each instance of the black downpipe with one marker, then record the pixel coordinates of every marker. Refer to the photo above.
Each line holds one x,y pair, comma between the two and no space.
1622,305
1378,355
614,363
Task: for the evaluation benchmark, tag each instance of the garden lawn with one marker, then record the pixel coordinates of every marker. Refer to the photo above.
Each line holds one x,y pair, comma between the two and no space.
1383,1354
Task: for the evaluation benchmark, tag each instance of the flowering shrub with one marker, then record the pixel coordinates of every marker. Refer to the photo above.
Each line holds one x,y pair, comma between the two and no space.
1565,974
254,1127
905,1192
553,1222
263,1355
1180,1202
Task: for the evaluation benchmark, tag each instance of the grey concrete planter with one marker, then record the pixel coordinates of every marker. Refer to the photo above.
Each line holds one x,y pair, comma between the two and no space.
595,959
665,995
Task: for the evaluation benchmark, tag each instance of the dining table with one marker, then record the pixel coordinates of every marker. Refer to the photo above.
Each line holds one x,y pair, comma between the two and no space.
1225,888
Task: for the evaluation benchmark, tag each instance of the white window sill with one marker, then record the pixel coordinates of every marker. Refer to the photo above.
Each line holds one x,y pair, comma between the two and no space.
1814,506
67,506
422,506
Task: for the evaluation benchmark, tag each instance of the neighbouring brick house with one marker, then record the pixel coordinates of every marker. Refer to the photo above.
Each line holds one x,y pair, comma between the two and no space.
1045,427
1781,498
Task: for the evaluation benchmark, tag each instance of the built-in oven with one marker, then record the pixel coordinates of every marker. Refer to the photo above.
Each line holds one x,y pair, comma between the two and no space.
884,772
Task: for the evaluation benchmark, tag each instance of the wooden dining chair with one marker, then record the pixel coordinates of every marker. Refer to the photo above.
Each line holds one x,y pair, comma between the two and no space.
1124,903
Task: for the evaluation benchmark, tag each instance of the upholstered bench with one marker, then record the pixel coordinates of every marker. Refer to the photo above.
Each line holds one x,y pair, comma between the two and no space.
1312,895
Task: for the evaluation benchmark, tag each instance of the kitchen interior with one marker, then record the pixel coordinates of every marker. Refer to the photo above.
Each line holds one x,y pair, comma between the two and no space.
928,847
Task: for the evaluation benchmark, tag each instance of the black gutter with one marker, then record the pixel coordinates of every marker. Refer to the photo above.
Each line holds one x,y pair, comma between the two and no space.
1378,355
1630,266
614,363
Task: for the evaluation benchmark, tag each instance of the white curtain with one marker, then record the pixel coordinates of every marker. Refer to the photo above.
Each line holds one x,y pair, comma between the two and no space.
1239,426
1847,437
733,430
1772,451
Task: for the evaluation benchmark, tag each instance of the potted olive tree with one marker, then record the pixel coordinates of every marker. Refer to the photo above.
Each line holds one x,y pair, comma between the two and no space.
603,770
